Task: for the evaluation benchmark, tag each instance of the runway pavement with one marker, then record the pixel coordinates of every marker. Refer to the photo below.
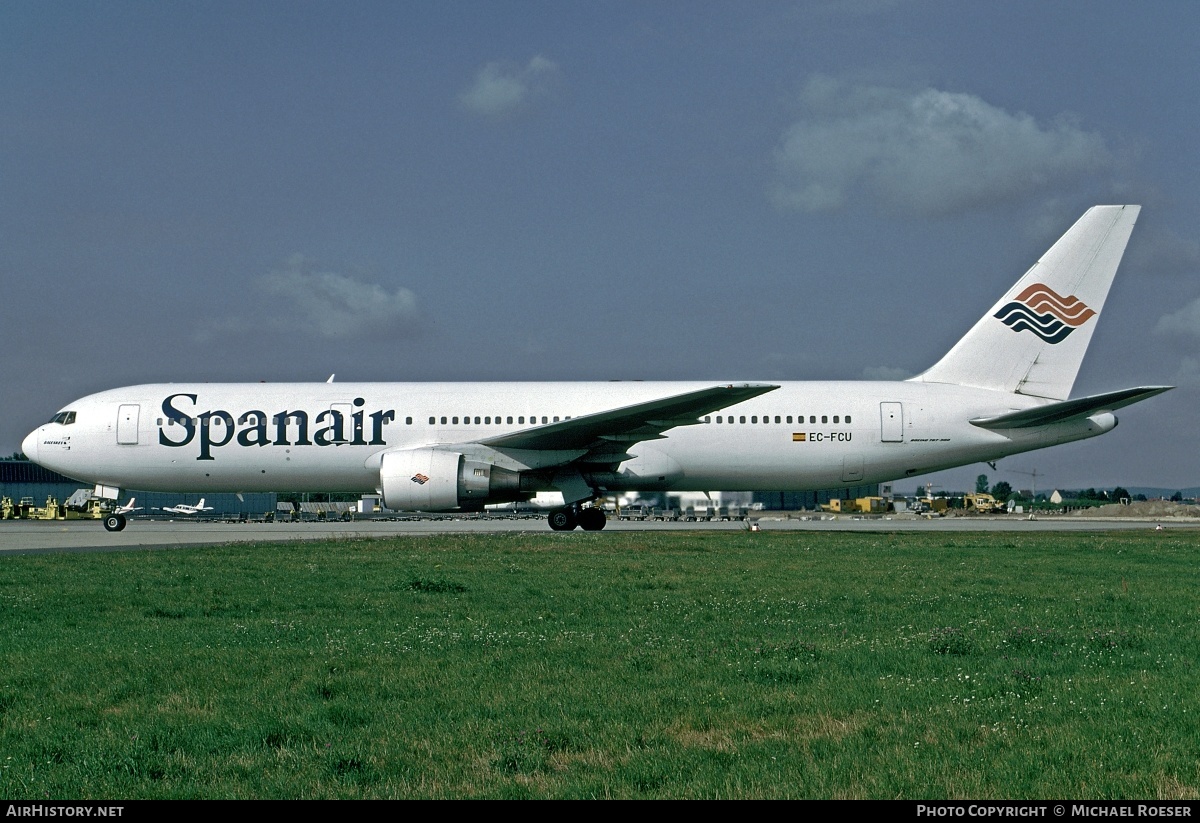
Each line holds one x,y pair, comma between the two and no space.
29,536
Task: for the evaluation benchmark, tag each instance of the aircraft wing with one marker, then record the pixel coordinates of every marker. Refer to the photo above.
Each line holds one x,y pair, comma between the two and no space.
629,424
1065,410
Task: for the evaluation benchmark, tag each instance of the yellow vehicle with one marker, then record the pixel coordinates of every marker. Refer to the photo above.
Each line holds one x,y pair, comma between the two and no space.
92,509
861,505
53,510
983,503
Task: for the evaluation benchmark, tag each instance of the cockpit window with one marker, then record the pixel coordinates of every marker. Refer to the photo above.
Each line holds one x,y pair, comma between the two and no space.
66,418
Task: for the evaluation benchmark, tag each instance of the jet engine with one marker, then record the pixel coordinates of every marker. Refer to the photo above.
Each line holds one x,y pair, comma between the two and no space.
432,480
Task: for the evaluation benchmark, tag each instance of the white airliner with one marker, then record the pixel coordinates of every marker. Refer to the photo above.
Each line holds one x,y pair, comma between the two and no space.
184,508
1002,389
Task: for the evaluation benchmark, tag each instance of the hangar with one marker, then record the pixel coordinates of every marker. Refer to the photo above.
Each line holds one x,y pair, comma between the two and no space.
21,479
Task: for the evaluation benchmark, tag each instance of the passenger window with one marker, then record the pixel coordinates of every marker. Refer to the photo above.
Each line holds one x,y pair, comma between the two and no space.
720,419
408,421
789,418
812,418
742,419
847,418
520,419
754,419
444,420
509,420
835,418
824,418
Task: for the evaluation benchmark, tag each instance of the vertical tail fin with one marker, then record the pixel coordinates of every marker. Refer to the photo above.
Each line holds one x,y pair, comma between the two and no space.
1033,340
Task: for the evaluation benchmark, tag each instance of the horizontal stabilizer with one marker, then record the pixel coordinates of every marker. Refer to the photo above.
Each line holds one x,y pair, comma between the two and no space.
1065,410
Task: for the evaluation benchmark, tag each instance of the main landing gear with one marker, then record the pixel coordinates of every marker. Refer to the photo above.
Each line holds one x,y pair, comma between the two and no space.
114,522
567,518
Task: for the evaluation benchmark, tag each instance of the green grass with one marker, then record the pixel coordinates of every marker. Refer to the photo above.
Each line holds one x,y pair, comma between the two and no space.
625,665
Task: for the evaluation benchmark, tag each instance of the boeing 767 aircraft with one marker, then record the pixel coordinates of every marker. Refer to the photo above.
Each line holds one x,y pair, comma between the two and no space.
1001,390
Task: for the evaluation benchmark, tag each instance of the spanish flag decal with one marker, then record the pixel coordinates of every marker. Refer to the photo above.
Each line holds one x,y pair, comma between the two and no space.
799,437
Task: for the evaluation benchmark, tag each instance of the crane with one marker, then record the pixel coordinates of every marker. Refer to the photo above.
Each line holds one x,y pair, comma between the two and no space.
1032,483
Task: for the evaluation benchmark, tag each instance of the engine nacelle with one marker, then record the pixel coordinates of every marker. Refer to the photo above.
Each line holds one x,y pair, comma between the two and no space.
437,480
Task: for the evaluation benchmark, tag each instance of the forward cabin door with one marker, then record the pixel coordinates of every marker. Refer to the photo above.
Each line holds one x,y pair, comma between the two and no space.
891,422
127,424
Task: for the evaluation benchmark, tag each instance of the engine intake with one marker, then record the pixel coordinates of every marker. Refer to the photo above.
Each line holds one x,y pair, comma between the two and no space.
433,480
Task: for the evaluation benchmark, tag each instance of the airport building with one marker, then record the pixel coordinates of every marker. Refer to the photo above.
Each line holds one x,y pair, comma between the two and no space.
22,479
812,501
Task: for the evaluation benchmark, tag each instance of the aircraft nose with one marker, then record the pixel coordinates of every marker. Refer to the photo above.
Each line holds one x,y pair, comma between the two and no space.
29,446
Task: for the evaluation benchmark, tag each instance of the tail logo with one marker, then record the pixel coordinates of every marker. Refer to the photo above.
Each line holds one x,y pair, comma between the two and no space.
1044,312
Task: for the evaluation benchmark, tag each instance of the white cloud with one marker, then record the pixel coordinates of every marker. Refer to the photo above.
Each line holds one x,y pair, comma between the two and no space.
328,305
1164,252
928,151
503,88
1186,321
1187,376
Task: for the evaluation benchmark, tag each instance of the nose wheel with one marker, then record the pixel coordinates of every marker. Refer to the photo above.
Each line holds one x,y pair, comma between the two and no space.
114,522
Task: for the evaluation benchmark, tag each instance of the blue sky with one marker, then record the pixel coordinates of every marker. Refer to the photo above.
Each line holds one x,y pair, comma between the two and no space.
524,190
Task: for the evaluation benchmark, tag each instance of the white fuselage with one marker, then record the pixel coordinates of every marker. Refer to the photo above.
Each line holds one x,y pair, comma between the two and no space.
210,437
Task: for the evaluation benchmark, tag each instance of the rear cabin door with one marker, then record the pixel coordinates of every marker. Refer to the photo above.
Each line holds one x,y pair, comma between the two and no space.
891,421
127,424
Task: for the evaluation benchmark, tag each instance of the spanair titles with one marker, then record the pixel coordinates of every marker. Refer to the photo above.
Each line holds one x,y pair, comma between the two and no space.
184,425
